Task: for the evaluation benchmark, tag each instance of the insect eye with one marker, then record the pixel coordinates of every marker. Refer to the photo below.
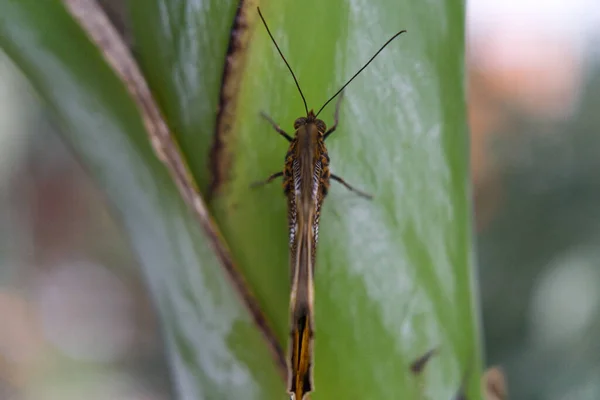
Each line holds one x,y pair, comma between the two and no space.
299,122
321,126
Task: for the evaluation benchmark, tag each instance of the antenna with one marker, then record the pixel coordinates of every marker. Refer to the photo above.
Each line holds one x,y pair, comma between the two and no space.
359,71
284,60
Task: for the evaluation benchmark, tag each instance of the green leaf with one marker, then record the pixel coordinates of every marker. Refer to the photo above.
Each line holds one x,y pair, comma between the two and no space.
180,46
395,275
214,348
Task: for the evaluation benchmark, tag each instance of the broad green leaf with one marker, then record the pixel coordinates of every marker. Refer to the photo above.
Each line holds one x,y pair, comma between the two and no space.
394,275
215,350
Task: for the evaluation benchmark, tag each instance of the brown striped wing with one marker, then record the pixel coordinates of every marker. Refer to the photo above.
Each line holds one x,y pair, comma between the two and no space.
306,179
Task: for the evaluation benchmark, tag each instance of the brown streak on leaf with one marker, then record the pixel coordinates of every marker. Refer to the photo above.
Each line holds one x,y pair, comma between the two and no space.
419,364
235,63
96,24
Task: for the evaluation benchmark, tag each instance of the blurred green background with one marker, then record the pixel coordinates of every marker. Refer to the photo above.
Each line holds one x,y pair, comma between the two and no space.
77,321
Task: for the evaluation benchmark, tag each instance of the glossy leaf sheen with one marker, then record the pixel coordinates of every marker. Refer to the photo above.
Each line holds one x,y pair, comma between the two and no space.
215,350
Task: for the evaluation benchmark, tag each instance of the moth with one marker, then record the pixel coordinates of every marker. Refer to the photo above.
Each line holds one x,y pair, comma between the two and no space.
306,179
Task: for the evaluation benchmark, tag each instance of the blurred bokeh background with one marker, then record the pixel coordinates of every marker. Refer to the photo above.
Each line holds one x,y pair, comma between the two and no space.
76,321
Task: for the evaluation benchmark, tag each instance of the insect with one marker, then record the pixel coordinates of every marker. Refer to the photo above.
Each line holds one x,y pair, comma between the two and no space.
306,179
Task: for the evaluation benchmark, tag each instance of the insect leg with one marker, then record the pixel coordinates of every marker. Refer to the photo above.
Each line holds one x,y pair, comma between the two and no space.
276,127
268,180
336,117
352,189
